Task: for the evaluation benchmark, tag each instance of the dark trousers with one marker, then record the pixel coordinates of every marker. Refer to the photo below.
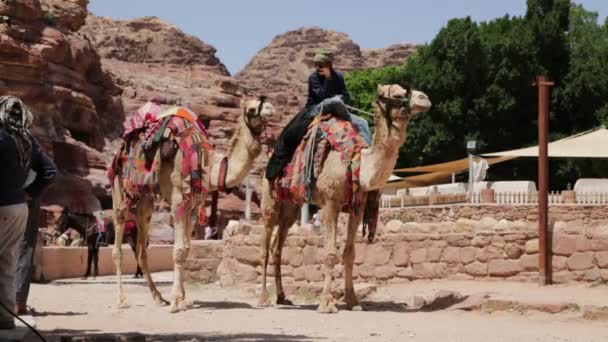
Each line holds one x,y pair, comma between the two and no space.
25,253
286,144
92,255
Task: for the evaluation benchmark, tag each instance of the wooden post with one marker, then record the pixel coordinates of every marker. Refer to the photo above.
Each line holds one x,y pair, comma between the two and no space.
545,266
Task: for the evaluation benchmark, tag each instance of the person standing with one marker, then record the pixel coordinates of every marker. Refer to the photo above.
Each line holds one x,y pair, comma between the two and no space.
19,154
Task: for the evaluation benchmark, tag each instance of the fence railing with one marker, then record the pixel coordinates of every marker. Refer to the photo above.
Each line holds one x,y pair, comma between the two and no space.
505,198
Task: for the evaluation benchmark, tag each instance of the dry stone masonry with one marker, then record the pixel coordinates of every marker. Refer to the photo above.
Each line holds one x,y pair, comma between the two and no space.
455,242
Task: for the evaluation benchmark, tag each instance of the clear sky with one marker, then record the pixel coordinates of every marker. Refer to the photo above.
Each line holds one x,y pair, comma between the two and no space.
240,28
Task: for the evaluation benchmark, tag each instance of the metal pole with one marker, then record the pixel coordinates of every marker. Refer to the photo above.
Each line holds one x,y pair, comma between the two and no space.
304,214
247,199
471,177
543,175
453,177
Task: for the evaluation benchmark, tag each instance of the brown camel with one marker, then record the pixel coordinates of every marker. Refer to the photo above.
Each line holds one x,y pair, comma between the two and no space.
394,108
245,146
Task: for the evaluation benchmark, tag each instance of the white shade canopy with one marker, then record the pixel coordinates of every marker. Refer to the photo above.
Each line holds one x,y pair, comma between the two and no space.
590,144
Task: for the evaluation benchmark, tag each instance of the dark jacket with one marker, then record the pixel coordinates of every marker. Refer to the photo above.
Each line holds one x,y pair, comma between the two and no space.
320,88
13,177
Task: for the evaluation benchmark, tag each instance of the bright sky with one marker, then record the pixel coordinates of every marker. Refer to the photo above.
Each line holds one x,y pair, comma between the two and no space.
238,29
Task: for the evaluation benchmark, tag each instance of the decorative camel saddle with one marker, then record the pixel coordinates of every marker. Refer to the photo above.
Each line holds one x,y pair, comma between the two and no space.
324,134
327,133
150,139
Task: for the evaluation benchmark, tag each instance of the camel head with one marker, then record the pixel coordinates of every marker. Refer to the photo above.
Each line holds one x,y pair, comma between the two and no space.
257,113
398,103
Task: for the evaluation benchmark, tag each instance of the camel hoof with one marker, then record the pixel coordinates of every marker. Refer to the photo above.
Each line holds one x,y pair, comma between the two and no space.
355,308
183,306
174,308
327,309
264,302
122,304
284,301
188,304
160,300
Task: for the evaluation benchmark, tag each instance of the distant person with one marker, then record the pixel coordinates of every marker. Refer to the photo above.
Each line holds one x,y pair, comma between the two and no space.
20,157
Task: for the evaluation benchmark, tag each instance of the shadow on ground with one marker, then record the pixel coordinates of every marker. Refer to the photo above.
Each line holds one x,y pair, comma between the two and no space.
93,336
221,305
437,304
50,313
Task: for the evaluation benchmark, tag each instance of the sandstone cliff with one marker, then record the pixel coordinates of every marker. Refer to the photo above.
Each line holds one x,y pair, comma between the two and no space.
55,69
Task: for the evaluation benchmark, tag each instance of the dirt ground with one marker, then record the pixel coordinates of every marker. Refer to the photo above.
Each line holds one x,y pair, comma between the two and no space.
83,310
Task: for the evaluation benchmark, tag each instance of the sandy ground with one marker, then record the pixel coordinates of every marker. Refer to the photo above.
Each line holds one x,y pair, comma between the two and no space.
75,308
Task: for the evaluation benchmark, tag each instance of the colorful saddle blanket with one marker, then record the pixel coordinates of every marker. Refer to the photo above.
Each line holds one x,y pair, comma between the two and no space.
324,134
139,158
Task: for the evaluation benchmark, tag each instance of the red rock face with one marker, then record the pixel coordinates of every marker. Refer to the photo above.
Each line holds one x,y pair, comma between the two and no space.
58,74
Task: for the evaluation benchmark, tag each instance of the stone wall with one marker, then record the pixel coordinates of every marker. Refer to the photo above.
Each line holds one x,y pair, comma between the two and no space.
456,242
203,260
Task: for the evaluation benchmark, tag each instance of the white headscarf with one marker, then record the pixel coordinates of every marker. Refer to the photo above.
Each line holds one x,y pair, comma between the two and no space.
16,120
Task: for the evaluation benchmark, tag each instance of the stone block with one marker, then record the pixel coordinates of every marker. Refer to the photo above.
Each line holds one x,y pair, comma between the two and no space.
418,256
481,241
377,255
489,253
385,272
601,259
428,270
309,255
532,246
401,254
529,262
248,255
504,268
477,269
433,254
408,273
514,251
593,274
292,256
468,254
451,255
565,244
393,226
360,251
559,262
580,261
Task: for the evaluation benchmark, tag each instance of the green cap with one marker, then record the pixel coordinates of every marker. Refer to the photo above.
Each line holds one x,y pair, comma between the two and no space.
323,56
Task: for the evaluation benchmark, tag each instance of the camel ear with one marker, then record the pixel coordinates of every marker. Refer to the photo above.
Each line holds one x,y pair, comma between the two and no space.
243,104
380,89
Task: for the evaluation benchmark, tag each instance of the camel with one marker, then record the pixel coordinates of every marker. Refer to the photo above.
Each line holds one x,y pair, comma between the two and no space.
245,146
393,109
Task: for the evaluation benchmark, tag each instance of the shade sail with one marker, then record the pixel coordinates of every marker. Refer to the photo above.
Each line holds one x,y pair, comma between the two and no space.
589,144
421,180
451,167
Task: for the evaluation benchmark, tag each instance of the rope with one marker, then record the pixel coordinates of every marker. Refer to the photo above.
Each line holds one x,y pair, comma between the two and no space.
359,110
22,321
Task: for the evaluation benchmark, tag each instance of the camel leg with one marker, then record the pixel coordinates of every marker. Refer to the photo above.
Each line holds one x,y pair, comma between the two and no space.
288,216
119,215
330,222
144,214
181,248
348,258
270,216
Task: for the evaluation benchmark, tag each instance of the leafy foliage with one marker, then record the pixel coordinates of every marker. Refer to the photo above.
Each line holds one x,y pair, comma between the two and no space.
480,77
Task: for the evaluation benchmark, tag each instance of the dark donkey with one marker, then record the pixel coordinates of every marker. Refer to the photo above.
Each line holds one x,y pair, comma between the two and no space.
86,226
